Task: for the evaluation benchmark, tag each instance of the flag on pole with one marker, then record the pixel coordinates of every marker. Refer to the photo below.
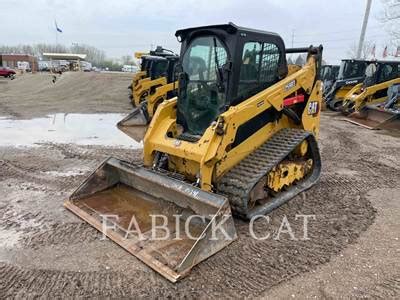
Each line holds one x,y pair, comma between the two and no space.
57,28
385,53
373,51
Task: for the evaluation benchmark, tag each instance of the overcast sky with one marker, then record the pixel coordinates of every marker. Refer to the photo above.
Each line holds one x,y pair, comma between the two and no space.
122,27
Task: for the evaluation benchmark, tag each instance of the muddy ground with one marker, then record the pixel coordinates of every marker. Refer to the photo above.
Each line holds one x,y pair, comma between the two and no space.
353,251
36,95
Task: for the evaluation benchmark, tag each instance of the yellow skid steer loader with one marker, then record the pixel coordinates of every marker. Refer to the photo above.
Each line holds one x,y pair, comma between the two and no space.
240,138
380,116
149,92
152,67
351,72
140,74
379,76
160,72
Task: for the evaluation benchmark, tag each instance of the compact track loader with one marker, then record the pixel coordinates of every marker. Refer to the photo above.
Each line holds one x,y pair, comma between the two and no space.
144,66
152,68
160,72
351,72
379,76
240,138
384,115
329,74
149,92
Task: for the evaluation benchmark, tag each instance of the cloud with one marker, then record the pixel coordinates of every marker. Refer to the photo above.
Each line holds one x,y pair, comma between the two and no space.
124,26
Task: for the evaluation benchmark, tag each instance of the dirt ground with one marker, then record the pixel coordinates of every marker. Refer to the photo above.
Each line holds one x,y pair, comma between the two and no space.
45,251
31,96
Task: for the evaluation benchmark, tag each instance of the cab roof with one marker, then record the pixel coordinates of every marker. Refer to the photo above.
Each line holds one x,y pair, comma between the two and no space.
153,57
229,28
387,61
356,59
166,57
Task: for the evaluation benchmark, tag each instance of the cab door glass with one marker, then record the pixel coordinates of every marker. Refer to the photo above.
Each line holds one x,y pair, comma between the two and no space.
259,68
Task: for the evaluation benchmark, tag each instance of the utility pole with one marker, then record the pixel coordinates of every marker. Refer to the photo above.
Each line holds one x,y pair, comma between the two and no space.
364,28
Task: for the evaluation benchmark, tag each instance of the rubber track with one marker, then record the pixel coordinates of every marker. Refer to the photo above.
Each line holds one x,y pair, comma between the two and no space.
237,183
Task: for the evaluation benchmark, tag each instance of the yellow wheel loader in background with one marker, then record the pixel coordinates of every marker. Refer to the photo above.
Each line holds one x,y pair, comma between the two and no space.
384,115
240,137
379,76
351,73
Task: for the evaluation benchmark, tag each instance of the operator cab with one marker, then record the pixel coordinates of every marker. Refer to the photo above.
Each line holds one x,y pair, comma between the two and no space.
157,67
388,70
381,71
352,68
157,56
221,66
161,66
144,63
329,72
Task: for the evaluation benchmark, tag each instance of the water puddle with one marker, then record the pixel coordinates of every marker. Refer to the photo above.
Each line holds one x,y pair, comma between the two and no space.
81,129
66,173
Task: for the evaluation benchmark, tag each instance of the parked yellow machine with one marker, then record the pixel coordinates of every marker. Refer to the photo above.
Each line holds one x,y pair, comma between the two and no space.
155,83
160,72
140,74
156,70
351,73
379,76
241,137
384,115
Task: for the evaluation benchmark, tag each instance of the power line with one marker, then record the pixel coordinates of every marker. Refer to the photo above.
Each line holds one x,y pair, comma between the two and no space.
336,40
342,31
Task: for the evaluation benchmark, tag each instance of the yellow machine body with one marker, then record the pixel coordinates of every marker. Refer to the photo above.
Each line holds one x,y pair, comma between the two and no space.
358,96
190,174
145,87
211,157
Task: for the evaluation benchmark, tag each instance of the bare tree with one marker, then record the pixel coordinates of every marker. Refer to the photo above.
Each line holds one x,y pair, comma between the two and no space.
301,59
36,50
366,50
127,60
94,55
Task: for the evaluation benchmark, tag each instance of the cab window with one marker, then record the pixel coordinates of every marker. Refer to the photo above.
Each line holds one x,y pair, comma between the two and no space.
389,72
259,68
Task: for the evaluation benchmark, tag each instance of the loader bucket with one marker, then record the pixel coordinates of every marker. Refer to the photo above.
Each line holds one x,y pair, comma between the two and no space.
128,203
373,117
135,124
